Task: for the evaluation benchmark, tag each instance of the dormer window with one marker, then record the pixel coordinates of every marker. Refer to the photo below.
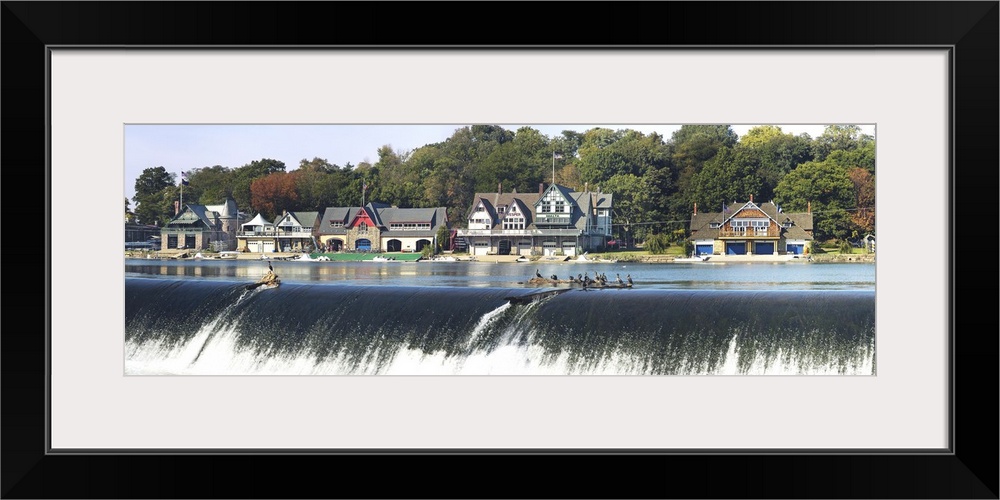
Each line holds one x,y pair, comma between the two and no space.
480,208
501,209
715,225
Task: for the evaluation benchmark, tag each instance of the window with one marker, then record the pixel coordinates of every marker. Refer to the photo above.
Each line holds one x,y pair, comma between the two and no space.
501,209
480,208
336,223
363,226
513,223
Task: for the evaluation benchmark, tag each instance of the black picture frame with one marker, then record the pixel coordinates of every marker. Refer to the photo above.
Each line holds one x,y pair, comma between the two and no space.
970,29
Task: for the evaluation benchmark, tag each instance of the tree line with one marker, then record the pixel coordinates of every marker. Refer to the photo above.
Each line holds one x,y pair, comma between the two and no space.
655,180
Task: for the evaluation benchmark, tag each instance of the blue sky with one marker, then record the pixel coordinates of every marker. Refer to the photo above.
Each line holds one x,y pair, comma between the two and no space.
185,147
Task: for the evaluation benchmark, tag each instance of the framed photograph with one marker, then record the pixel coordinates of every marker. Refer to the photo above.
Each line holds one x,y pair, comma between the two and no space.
922,75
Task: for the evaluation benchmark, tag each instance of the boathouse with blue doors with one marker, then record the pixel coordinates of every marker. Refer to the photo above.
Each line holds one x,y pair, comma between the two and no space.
749,228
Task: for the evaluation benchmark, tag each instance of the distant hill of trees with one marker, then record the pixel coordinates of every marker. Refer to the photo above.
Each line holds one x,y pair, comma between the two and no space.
656,180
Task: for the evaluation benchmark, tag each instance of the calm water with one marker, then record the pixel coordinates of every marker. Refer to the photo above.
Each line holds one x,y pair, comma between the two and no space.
689,276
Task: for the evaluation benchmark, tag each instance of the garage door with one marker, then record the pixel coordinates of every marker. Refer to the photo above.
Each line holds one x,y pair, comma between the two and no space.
795,249
703,250
765,248
480,248
736,248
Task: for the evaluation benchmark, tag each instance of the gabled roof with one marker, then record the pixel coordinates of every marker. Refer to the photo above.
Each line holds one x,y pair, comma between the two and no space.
258,220
372,209
487,205
751,206
563,190
201,215
381,215
337,214
583,202
305,219
701,223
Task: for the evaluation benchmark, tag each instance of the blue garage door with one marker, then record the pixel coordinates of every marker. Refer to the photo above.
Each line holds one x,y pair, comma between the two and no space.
795,249
736,248
765,248
363,245
703,250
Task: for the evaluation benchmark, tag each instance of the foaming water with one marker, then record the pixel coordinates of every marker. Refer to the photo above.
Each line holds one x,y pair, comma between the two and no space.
180,327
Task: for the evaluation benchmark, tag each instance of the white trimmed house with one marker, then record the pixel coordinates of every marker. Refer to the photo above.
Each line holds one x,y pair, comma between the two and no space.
554,221
290,232
751,229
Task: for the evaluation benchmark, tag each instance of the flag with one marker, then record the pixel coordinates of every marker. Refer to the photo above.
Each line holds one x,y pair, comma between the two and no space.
557,156
184,178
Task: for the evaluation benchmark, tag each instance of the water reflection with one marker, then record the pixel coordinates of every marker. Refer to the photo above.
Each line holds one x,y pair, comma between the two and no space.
853,276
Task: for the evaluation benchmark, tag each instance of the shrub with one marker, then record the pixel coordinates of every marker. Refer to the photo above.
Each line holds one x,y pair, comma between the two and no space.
657,243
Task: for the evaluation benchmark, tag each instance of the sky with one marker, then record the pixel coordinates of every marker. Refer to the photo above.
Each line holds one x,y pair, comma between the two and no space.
186,147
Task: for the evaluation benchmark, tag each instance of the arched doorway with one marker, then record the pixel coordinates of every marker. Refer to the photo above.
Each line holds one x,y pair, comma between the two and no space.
394,246
335,245
421,244
363,245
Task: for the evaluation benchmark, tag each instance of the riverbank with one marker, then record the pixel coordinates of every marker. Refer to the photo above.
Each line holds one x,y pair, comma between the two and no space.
630,257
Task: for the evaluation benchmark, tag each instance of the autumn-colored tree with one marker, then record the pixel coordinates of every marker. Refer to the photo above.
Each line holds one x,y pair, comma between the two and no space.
864,196
273,193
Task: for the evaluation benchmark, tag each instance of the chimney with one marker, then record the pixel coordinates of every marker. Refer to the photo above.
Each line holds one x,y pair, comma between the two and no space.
586,186
696,208
751,198
177,207
809,207
500,188
541,188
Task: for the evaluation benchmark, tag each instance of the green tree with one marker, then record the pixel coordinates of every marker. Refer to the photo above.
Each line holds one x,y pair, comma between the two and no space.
443,235
839,137
689,148
730,175
129,216
825,186
657,243
632,202
151,181
152,185
772,154
209,185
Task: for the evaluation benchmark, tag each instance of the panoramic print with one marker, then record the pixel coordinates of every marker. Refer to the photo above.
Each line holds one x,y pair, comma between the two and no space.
511,249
